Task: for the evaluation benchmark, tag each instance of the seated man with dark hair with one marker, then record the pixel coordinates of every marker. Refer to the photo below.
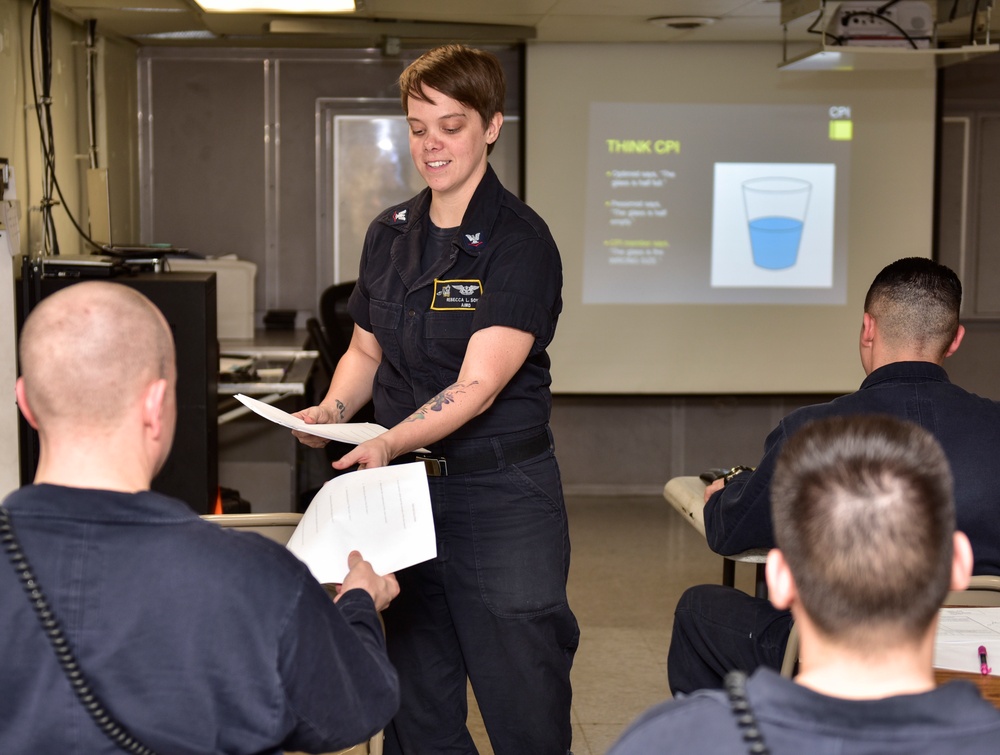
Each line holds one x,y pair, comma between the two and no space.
128,618
864,519
909,327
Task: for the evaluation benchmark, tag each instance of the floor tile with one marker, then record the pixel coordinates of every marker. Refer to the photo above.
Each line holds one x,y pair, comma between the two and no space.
632,558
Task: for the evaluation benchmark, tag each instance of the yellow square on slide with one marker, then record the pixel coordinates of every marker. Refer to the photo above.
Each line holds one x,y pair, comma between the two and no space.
841,131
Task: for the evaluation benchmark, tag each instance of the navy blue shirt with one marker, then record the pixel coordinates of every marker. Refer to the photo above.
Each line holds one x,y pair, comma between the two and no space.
503,268
791,718
197,638
967,426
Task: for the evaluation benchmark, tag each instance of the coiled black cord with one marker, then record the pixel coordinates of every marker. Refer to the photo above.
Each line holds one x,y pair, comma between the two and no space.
114,730
735,684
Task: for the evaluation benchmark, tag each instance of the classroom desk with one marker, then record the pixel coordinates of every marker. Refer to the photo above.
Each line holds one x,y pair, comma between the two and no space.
276,349
687,496
257,457
989,685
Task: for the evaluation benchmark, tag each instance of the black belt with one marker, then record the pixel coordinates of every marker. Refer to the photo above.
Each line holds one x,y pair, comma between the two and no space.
512,450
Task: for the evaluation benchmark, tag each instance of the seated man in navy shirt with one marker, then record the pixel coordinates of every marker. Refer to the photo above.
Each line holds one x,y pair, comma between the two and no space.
182,636
910,325
867,550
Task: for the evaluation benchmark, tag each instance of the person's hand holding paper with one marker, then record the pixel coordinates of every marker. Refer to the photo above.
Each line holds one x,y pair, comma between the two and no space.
361,576
384,513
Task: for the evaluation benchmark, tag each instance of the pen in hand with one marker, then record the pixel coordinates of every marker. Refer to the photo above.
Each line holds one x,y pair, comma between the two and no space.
982,661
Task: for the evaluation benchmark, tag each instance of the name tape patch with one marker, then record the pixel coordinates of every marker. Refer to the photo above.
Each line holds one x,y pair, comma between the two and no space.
456,294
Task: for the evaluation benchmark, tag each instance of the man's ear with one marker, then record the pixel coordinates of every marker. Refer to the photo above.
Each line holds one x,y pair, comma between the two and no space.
867,330
961,561
957,341
22,403
152,406
781,589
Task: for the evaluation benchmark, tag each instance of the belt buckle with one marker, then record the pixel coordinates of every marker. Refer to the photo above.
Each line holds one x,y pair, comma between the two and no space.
436,466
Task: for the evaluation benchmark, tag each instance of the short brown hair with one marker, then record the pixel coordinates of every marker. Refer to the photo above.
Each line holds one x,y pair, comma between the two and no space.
864,514
472,77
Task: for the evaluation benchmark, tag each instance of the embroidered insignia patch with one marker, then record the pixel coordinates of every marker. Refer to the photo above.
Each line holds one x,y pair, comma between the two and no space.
399,216
473,240
456,294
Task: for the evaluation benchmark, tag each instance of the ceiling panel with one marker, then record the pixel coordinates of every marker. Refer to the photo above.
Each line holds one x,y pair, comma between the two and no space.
552,20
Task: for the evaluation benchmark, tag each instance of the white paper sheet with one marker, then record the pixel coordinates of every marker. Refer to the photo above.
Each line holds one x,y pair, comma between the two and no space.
960,633
384,513
348,432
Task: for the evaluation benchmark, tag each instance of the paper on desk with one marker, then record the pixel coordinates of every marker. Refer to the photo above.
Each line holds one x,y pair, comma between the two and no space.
384,513
960,633
348,432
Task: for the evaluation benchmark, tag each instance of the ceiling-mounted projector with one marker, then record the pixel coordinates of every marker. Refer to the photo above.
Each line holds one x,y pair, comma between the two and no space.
909,23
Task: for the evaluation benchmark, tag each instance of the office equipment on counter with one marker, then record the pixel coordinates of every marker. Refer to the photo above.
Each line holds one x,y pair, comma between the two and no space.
235,281
187,301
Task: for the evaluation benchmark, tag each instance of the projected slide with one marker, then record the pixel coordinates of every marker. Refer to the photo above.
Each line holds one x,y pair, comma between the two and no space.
716,204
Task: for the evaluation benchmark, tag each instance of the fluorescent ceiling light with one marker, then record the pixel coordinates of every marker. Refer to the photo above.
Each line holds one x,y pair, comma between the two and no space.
277,6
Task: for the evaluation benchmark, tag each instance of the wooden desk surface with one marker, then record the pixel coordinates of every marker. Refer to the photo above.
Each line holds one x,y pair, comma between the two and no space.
687,496
989,686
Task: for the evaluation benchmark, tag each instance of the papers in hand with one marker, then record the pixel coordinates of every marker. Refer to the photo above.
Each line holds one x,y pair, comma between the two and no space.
348,432
384,513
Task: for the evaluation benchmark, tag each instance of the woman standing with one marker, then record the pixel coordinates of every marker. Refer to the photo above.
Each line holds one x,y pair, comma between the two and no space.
457,298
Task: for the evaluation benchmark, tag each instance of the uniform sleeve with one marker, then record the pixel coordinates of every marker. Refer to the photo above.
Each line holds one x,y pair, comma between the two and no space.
339,685
523,290
738,517
357,305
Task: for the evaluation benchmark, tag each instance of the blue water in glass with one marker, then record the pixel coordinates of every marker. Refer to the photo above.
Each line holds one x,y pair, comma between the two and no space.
775,241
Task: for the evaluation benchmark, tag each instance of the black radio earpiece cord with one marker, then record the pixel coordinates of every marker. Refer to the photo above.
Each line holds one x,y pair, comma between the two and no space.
115,731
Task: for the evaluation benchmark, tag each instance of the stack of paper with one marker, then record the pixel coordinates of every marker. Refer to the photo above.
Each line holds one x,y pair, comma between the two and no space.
961,631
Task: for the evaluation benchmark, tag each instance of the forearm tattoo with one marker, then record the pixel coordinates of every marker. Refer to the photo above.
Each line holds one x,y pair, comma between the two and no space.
436,404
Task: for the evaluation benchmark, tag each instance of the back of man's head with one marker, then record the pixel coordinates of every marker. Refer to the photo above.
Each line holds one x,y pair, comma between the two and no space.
88,351
916,303
864,516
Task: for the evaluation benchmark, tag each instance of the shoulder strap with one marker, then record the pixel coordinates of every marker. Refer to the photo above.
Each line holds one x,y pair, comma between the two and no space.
115,731
736,689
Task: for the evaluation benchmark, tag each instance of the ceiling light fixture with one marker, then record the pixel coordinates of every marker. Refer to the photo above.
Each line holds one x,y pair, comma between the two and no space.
277,6
681,23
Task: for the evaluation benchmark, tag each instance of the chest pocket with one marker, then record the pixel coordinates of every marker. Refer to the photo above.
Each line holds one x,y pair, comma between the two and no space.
447,336
386,319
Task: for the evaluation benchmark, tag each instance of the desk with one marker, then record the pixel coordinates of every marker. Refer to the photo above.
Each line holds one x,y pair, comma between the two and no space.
257,457
268,348
687,496
989,686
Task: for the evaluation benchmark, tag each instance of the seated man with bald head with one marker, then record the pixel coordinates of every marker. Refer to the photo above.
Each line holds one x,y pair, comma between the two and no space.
910,325
193,639
864,519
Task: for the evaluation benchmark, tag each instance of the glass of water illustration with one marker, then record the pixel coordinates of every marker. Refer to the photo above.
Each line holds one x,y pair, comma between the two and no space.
776,211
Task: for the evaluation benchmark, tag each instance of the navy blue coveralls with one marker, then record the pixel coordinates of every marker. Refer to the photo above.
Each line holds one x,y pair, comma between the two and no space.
717,629
492,606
